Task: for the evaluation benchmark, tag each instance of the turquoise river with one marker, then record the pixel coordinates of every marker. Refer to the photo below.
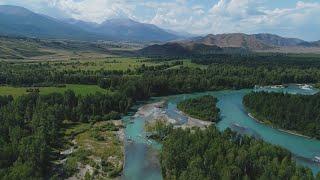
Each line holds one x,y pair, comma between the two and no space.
142,163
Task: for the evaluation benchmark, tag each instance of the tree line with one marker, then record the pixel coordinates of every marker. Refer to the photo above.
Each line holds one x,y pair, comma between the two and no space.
255,60
300,113
221,72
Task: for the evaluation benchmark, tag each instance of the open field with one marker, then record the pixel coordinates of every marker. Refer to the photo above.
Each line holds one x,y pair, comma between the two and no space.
109,63
102,63
91,63
78,89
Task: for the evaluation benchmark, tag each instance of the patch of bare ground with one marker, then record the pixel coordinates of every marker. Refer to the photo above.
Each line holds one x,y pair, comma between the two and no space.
97,151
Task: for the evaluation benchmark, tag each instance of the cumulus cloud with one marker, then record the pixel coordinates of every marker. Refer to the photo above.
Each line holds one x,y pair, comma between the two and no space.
96,10
222,16
248,16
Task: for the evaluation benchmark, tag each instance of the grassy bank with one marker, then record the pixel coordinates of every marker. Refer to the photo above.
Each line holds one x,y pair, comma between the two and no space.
97,150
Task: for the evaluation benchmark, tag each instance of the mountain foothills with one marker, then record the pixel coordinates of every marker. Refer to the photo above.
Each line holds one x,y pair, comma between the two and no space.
26,48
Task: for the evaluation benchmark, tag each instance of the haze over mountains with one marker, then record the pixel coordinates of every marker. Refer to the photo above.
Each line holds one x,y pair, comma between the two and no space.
18,21
126,29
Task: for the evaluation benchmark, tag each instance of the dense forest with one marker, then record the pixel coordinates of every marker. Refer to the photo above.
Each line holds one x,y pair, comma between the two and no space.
203,108
173,77
31,124
298,113
211,154
255,60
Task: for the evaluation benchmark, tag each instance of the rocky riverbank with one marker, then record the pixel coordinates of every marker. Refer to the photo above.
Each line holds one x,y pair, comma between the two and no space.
96,150
156,111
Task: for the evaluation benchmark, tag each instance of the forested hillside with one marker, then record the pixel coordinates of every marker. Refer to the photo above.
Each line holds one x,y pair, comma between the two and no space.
291,112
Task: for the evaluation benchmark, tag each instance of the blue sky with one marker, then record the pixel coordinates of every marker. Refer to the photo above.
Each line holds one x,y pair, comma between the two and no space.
290,18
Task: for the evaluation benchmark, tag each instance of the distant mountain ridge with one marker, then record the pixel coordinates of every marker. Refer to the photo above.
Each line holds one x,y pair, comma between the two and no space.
253,42
19,21
275,40
310,44
186,49
129,29
236,40
229,43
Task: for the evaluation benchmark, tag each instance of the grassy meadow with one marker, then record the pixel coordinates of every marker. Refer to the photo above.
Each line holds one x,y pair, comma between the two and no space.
109,63
77,88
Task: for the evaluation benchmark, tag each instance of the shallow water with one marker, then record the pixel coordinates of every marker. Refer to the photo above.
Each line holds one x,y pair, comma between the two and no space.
141,163
141,159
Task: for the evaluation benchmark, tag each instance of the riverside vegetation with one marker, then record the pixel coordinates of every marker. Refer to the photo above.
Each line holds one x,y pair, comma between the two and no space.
31,124
297,113
211,154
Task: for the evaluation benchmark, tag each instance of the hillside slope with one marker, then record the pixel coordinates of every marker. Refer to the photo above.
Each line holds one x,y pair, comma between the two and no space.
18,21
127,29
235,40
275,40
22,47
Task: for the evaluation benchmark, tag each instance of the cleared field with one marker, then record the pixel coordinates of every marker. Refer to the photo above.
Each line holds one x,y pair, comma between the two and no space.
188,63
109,63
78,89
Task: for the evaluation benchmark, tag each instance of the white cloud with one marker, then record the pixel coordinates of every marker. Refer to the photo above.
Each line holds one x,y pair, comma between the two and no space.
248,16
95,10
224,16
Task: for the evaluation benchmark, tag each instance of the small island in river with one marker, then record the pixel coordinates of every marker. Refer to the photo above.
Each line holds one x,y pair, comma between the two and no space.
203,108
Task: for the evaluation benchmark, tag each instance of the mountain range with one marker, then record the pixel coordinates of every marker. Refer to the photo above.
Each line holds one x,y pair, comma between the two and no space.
19,21
231,43
126,29
253,42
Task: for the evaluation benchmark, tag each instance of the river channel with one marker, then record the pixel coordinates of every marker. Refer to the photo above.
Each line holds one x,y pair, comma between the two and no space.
141,160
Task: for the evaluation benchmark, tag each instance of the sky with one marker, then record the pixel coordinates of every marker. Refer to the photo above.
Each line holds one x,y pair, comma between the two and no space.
289,18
